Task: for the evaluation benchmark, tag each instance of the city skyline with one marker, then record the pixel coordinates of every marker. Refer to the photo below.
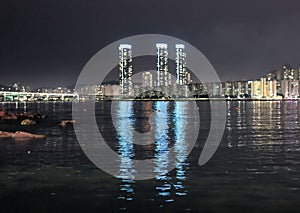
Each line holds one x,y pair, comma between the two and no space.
287,77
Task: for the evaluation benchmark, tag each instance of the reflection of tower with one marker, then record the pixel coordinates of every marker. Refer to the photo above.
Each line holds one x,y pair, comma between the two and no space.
180,147
125,69
166,184
162,65
125,150
147,79
162,159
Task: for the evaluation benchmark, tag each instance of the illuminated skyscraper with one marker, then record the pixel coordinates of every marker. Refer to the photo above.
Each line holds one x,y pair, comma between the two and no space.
125,69
147,80
162,65
181,72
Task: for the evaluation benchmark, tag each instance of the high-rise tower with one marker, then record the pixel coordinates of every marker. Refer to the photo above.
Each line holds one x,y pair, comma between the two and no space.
182,74
180,64
162,65
125,69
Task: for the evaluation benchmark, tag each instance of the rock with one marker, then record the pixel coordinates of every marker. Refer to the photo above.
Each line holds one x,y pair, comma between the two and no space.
20,134
9,117
4,134
66,122
26,122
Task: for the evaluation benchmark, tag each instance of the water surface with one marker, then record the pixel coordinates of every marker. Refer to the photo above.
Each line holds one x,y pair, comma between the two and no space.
256,167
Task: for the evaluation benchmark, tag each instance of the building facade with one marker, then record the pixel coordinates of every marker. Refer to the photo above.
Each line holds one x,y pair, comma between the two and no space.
180,59
125,70
162,65
147,80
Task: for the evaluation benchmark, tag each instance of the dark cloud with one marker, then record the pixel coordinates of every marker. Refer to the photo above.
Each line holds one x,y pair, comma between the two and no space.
48,42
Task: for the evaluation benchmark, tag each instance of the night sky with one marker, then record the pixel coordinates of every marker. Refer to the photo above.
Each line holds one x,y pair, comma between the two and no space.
48,42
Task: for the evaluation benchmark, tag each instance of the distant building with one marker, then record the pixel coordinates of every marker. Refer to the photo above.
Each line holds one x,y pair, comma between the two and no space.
188,77
289,73
111,90
125,69
263,88
147,79
228,88
214,89
271,76
235,89
17,87
61,90
271,89
290,88
256,89
242,89
170,82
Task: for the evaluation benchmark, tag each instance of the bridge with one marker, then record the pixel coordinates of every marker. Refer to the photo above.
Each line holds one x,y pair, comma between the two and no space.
36,96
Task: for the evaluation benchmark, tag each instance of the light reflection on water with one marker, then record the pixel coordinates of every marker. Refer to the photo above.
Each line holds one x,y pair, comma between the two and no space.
159,117
125,150
256,167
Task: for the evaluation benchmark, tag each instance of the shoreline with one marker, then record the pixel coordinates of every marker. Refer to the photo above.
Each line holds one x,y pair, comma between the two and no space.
159,99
